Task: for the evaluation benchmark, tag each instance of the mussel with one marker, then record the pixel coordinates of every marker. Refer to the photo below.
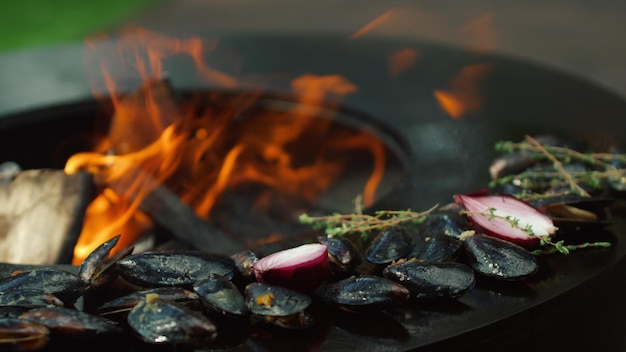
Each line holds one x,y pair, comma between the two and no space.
173,268
244,261
118,308
220,295
363,292
29,298
63,284
158,321
278,306
391,243
343,255
440,248
432,280
70,322
21,335
497,258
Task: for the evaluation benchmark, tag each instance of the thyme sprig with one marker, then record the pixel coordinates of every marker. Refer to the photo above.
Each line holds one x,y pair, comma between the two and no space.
341,224
558,165
603,169
570,247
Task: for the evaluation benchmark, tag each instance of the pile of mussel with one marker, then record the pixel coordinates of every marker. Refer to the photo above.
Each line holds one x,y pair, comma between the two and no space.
192,298
185,298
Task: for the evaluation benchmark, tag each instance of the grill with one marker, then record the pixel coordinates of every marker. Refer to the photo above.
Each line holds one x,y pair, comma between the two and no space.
443,155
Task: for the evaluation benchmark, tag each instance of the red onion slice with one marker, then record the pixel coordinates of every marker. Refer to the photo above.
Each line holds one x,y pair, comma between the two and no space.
301,268
508,218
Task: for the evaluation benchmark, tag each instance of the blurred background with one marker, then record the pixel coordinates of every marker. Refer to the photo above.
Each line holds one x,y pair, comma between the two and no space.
581,37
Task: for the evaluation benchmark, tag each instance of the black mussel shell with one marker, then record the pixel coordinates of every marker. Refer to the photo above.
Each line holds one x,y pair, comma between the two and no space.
63,284
432,280
274,301
498,258
92,263
20,335
440,248
158,321
220,295
391,243
343,255
244,261
364,292
446,221
120,307
173,268
70,322
30,298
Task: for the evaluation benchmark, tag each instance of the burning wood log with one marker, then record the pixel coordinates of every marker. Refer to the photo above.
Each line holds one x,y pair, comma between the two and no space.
41,215
167,211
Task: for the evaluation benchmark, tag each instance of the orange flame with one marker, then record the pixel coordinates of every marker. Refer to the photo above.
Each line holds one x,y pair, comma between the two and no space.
464,96
374,23
154,140
401,61
480,33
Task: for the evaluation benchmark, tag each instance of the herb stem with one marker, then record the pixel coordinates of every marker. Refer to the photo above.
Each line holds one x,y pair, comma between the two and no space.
559,166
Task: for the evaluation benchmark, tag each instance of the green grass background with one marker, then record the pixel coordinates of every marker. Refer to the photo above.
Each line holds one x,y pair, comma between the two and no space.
28,23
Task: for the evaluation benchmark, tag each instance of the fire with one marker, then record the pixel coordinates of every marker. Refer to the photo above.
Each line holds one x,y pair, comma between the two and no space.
385,17
464,94
401,61
202,153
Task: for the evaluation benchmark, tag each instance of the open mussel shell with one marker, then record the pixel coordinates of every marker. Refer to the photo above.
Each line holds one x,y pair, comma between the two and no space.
391,243
575,213
70,322
220,295
173,268
93,262
64,285
275,301
430,279
118,308
497,258
244,262
343,256
278,306
21,335
363,292
158,321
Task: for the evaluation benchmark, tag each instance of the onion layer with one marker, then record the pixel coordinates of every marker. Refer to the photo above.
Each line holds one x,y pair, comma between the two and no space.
301,268
508,218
